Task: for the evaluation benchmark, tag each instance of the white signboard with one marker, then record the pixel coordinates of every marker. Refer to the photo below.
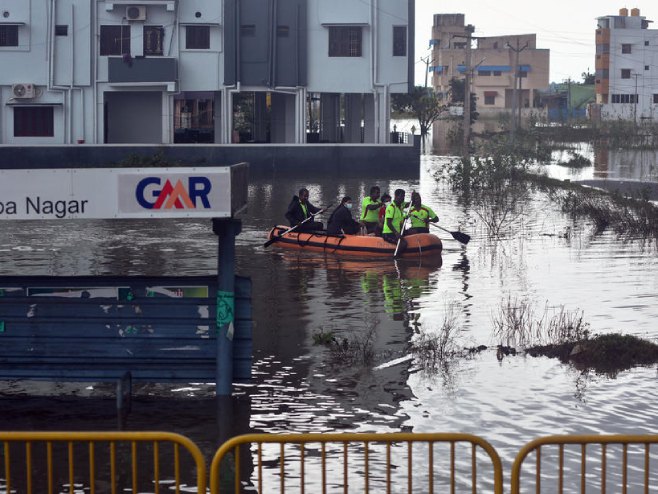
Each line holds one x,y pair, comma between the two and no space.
115,193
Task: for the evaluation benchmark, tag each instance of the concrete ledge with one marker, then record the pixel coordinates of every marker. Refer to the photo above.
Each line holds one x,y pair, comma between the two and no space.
316,159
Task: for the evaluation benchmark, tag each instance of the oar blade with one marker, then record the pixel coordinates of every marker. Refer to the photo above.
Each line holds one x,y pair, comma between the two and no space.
461,237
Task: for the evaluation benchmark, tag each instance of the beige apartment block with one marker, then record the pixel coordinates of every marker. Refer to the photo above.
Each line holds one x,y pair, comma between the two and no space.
493,62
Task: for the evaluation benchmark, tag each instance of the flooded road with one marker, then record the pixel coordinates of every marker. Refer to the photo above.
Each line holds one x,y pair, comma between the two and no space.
302,386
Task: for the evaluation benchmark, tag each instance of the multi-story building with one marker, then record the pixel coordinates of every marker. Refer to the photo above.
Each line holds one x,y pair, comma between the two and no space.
165,71
493,62
626,82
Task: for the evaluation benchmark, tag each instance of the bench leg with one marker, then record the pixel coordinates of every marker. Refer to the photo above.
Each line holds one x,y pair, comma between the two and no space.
124,396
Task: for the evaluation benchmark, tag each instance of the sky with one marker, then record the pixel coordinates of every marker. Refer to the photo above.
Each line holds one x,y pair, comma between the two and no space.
566,27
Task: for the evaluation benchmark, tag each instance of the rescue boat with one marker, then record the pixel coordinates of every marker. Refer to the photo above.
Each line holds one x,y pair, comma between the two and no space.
421,244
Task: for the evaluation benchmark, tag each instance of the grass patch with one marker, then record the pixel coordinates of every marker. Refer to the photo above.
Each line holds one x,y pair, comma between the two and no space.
605,354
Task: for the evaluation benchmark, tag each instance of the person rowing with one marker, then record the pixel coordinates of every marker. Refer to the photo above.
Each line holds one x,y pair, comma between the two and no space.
300,210
420,215
393,220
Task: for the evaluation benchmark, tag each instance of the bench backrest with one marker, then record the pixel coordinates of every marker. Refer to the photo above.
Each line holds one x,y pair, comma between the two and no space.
95,328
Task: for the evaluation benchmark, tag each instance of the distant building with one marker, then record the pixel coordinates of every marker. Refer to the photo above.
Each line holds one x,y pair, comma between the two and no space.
493,60
567,101
626,82
167,71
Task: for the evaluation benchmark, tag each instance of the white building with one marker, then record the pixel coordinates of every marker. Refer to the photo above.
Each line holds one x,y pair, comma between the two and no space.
166,71
626,67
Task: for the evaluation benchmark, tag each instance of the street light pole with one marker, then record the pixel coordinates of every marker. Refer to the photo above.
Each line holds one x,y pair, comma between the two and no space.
515,95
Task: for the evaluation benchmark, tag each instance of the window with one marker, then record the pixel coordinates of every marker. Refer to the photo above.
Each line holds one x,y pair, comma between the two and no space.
497,72
624,98
490,97
197,37
647,67
523,73
602,73
625,48
283,31
34,121
8,35
459,46
61,30
115,40
484,72
655,99
345,41
625,73
620,22
399,41
153,40
646,43
603,48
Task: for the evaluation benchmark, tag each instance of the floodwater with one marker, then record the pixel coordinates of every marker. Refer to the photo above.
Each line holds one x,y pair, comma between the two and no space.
300,386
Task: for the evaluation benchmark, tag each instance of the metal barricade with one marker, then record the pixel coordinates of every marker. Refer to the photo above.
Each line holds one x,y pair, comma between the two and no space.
357,462
112,462
587,463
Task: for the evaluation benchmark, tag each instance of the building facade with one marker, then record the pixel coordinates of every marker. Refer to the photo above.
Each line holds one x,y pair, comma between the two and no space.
626,81
493,62
213,71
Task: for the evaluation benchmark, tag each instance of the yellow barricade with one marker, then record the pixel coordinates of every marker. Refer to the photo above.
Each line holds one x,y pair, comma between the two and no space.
587,463
103,462
357,462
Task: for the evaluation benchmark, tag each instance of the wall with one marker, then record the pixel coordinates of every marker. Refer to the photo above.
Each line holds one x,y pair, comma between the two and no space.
328,160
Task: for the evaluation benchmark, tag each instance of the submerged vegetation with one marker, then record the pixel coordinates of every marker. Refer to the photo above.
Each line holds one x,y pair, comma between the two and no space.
498,186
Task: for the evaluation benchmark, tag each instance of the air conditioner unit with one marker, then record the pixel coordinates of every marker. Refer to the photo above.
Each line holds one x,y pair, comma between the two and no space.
136,13
23,90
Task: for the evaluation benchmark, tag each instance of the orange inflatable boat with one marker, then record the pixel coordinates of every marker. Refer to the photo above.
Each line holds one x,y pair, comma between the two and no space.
422,244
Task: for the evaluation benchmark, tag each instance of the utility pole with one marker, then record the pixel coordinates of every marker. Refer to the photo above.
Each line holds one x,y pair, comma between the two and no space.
467,91
515,94
635,100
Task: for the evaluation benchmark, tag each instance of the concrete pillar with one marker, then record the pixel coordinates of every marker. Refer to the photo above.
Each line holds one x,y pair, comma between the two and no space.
368,118
261,118
353,107
217,117
329,117
283,118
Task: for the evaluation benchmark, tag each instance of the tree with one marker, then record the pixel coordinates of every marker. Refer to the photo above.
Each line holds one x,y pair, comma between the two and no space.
423,103
457,96
588,77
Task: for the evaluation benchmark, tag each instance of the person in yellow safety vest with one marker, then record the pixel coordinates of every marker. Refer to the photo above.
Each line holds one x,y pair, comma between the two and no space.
420,216
393,219
370,210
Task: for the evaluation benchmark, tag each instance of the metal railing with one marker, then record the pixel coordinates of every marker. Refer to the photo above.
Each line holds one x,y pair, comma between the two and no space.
112,462
358,462
587,463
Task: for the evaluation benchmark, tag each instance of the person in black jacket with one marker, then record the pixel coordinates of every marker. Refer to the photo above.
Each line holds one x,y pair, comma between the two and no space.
341,220
300,209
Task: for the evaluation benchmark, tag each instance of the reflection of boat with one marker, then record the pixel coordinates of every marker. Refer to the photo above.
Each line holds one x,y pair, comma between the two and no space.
423,244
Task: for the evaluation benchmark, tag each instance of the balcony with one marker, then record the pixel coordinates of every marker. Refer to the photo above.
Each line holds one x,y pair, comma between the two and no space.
142,70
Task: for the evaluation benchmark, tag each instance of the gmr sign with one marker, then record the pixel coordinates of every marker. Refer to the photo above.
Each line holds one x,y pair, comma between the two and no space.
150,194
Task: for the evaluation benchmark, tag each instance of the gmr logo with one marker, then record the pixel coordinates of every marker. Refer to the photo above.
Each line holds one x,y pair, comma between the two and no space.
150,195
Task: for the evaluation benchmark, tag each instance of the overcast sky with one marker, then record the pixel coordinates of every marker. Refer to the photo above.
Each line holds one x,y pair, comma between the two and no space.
566,27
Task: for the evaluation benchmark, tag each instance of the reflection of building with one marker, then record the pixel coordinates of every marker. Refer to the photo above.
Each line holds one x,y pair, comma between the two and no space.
219,71
493,62
626,67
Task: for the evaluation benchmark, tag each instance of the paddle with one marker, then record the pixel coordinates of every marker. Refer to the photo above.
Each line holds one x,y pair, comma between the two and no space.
404,223
458,236
274,239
